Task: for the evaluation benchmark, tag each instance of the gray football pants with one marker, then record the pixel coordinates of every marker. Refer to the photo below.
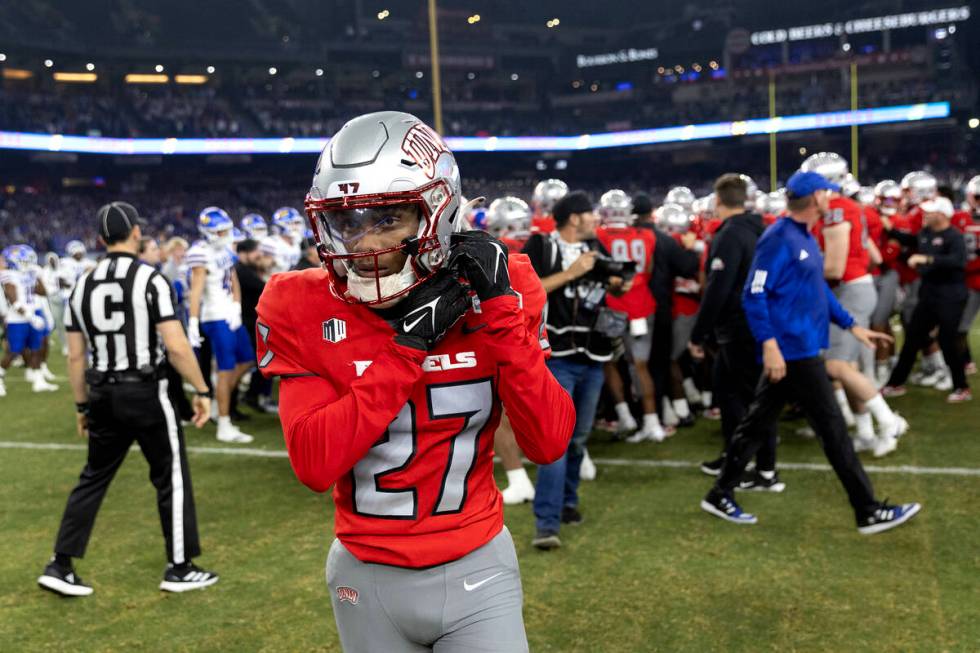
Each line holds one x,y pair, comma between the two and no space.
470,604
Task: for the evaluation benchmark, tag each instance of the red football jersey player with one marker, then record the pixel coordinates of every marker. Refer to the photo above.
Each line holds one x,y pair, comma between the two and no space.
969,223
626,243
393,379
845,214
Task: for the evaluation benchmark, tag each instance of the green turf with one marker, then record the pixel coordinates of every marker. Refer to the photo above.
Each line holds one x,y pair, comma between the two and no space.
647,571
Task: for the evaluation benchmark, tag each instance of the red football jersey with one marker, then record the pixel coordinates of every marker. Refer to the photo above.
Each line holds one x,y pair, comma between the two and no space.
844,210
969,224
905,223
543,224
404,436
687,292
512,244
532,296
875,231
632,244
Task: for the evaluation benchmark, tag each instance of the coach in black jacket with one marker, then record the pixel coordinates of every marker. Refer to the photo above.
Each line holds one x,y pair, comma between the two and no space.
737,369
670,260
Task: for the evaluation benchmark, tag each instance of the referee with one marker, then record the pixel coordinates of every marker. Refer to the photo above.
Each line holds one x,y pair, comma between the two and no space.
788,307
123,312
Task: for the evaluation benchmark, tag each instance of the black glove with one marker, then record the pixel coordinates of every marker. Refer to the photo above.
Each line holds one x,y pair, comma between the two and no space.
482,260
429,311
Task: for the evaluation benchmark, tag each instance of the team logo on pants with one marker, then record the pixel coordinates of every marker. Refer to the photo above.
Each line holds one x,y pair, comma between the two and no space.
348,594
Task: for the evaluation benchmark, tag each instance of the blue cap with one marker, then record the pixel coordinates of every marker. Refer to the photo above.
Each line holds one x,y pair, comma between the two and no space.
802,184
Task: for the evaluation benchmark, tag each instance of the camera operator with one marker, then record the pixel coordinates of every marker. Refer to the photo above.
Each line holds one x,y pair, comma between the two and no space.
576,272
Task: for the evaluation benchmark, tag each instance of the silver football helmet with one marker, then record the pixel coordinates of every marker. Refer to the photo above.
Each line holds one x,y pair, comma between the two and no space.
775,203
546,193
75,248
829,164
509,216
375,165
866,196
674,219
919,186
973,192
850,186
616,208
888,197
680,195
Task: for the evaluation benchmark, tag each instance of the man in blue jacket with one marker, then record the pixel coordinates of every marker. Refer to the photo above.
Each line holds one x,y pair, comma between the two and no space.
789,306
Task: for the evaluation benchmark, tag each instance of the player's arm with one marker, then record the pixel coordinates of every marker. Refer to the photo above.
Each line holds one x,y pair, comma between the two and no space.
540,410
198,277
836,239
10,292
719,285
236,287
39,289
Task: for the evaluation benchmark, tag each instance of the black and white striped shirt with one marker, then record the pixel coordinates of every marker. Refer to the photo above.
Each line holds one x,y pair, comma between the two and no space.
117,307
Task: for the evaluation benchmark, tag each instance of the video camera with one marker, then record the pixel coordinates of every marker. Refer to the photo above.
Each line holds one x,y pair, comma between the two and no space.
606,267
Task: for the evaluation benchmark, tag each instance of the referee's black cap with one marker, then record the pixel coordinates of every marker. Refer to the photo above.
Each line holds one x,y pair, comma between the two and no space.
116,221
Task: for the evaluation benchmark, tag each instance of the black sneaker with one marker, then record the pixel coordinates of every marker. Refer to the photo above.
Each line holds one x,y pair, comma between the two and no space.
570,515
886,517
186,577
546,540
724,506
685,422
63,581
755,481
713,467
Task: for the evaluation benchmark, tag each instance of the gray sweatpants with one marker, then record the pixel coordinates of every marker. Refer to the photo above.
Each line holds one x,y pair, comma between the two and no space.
470,604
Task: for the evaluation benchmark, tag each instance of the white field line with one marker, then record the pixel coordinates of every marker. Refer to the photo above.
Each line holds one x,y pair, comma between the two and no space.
612,462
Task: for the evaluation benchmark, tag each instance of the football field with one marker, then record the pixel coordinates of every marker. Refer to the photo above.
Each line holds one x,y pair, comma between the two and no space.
646,571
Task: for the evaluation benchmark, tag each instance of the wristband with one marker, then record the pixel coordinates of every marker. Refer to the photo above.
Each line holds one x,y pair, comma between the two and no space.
207,393
82,408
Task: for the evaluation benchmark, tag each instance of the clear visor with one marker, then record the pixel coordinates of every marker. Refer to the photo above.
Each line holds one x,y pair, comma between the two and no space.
362,230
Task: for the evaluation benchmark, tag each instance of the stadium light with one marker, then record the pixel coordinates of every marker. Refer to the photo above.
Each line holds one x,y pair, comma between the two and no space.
471,76
384,13
713,65
298,145
142,78
90,66
210,70
974,123
3,57
376,73
474,19
802,151
48,63
419,74
76,77
554,22
846,47
319,72
514,77
16,73
273,70
191,79
158,68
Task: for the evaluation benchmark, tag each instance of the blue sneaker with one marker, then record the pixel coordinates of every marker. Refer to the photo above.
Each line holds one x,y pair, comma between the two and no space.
724,506
886,517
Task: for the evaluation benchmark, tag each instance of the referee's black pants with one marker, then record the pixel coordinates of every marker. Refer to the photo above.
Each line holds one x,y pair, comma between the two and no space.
925,317
121,413
736,374
806,383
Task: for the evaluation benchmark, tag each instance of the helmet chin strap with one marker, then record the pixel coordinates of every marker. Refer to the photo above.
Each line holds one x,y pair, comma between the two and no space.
366,288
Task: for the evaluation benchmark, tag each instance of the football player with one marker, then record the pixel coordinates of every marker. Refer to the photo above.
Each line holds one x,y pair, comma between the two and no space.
968,221
253,225
843,235
888,197
25,326
546,193
216,313
625,242
290,227
393,378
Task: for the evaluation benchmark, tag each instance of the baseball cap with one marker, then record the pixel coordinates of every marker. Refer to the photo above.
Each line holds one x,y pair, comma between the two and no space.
575,202
642,204
116,221
802,184
938,205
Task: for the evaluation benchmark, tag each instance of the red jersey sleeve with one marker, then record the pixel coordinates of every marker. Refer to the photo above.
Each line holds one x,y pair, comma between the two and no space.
540,410
326,432
533,299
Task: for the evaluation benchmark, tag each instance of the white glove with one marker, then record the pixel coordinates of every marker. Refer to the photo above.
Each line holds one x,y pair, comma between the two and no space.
235,317
194,332
38,323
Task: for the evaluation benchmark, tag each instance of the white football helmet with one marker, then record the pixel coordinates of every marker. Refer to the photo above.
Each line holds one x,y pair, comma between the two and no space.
888,197
616,208
973,192
850,186
919,186
510,217
680,195
674,219
546,193
829,164
75,248
866,196
374,163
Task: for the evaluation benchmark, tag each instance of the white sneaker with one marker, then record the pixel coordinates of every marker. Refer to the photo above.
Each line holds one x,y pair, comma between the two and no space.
864,444
884,446
945,382
587,471
40,385
648,435
806,432
48,375
233,435
626,424
3,389
517,493
931,379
